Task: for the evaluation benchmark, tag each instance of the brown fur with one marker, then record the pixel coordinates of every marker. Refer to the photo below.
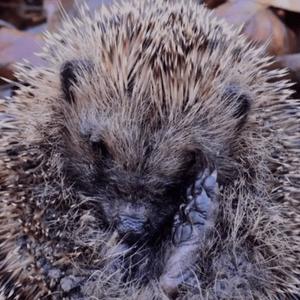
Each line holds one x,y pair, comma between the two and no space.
161,74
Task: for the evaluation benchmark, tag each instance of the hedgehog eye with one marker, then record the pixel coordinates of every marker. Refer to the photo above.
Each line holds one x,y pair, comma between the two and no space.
69,74
96,146
99,147
195,161
191,159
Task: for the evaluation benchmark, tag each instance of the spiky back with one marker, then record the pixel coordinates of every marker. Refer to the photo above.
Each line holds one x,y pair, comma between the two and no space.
160,66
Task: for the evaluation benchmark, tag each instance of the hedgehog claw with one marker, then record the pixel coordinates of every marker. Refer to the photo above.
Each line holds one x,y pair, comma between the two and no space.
182,233
190,228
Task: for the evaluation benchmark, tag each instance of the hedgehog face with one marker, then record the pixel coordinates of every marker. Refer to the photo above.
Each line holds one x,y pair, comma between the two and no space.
133,184
137,200
133,160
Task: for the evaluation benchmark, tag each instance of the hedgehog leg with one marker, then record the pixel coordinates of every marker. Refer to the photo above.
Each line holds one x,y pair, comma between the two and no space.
191,226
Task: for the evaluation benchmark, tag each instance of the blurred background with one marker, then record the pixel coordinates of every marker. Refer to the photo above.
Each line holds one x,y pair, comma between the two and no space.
22,23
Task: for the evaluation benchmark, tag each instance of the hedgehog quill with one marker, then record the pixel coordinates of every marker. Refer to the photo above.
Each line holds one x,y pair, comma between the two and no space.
155,157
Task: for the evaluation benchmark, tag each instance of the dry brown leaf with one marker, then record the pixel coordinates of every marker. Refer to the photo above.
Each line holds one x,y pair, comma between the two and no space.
260,25
292,5
16,45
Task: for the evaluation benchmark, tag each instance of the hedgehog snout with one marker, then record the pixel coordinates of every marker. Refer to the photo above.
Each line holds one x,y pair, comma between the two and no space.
131,228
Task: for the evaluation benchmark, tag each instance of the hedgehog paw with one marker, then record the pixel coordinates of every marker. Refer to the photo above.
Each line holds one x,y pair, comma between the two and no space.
191,225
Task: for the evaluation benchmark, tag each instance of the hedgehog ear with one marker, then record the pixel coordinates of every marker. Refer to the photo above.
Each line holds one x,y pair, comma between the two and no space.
69,74
242,102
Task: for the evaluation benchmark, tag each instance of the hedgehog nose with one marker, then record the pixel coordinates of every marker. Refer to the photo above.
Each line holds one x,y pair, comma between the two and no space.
130,228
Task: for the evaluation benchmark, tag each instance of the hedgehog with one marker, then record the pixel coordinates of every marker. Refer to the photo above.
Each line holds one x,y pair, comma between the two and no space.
155,155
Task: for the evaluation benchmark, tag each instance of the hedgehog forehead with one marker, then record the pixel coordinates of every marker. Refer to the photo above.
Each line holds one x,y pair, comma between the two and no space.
150,131
138,146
